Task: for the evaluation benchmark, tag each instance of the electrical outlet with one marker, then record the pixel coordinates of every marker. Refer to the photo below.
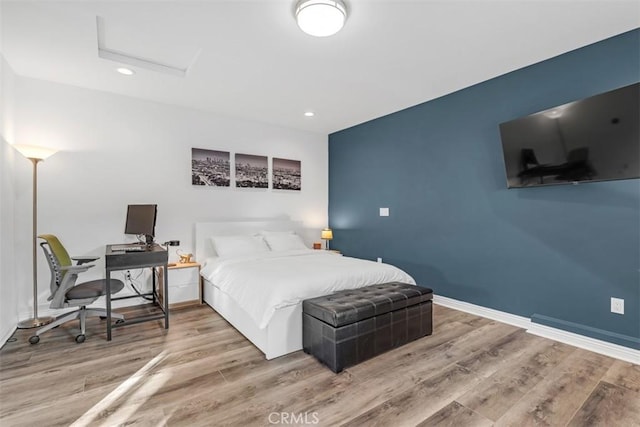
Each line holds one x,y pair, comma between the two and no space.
617,305
127,275
379,259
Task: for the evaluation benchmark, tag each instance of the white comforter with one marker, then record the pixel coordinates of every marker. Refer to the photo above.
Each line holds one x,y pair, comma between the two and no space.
264,282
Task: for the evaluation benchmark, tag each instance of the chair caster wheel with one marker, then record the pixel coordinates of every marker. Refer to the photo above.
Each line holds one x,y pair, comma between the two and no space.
119,321
34,339
80,338
103,317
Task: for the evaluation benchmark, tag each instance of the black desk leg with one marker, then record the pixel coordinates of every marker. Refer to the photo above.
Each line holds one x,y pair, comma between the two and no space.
165,296
108,297
153,285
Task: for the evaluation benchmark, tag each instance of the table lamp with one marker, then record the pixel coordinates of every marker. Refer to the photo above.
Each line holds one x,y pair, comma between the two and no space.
326,235
35,154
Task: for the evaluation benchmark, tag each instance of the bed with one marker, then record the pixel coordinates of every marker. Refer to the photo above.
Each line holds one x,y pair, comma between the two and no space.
261,293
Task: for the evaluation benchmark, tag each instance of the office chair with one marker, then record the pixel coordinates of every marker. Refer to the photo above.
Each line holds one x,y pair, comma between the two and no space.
528,159
66,293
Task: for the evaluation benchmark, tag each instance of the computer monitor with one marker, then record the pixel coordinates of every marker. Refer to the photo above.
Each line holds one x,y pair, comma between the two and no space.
141,220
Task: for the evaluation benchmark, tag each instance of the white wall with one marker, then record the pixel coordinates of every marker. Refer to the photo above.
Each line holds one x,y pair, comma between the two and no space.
117,150
9,298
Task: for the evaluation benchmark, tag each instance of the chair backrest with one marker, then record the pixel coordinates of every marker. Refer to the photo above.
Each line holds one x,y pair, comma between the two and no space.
57,256
58,250
528,158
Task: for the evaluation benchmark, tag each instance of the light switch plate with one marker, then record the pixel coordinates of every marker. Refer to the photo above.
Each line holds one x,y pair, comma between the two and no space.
384,211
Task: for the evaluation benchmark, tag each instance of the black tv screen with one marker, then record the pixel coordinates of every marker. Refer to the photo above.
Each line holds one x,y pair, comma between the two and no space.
593,139
141,220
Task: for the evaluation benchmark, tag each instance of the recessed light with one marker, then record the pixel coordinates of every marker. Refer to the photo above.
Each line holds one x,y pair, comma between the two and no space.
309,113
125,71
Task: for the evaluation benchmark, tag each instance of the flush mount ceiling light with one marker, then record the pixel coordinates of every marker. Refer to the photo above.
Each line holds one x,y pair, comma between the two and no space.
321,18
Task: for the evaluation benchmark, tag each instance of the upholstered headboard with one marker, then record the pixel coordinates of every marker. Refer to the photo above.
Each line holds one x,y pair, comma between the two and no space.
206,230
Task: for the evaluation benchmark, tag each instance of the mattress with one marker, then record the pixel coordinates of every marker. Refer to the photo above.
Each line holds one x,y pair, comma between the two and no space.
263,283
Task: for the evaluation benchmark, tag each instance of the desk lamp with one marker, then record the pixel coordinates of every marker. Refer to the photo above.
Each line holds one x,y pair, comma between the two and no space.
171,243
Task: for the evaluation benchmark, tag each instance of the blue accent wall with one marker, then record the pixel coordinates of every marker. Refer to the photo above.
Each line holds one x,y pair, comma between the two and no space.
556,254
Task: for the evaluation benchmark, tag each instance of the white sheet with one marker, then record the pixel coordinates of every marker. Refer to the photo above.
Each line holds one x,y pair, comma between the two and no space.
262,283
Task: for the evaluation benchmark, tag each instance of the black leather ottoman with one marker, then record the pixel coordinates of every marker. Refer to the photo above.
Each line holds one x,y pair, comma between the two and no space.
348,327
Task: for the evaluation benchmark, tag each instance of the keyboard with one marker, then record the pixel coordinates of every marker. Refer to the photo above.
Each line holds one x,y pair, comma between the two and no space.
128,248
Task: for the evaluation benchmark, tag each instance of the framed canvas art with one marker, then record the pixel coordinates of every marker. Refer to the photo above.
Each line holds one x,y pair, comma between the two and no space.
252,171
286,174
210,167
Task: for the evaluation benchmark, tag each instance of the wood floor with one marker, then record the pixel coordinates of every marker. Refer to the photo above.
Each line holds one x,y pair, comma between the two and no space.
471,372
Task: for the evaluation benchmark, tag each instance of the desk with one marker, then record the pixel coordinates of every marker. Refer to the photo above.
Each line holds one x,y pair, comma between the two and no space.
154,256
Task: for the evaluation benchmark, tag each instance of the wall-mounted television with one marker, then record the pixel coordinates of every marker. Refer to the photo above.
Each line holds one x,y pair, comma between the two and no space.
141,220
593,139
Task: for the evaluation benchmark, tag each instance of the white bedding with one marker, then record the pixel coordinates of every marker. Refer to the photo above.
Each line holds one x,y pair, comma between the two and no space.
262,283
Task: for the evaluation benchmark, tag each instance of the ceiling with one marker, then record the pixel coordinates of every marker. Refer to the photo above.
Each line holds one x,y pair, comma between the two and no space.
248,59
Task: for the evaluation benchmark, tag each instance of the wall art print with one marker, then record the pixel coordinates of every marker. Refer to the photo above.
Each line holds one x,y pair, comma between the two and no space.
252,171
210,167
286,174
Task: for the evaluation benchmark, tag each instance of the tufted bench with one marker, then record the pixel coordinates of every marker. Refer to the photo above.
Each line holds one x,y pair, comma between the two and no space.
348,327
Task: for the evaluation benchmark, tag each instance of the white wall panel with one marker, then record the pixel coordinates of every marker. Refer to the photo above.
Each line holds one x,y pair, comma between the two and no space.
116,150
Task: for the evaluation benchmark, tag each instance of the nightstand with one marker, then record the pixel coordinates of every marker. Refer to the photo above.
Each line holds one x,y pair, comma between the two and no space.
184,284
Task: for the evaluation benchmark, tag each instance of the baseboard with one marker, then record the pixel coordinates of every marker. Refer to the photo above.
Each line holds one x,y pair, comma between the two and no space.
489,313
586,331
6,334
597,346
44,310
587,343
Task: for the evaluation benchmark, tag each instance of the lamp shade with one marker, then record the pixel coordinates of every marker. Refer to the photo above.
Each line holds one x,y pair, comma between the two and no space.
327,234
34,152
321,18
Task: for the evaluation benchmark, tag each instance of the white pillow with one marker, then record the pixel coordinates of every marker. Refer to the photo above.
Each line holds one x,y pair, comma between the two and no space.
266,233
284,241
230,246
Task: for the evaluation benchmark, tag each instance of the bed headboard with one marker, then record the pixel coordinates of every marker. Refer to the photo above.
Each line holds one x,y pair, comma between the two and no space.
206,230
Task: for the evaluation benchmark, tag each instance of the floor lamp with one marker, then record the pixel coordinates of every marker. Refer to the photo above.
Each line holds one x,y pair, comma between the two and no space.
35,154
